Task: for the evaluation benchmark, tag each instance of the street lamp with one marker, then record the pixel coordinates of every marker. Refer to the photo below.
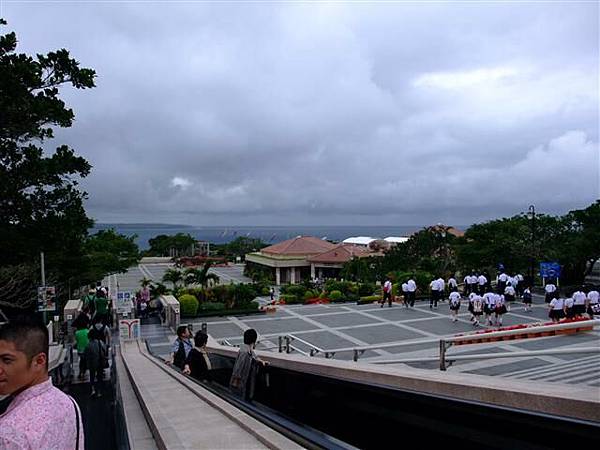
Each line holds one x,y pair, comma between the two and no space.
531,217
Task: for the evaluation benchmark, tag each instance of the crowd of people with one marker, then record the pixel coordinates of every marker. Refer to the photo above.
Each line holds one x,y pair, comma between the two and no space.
192,358
488,302
92,337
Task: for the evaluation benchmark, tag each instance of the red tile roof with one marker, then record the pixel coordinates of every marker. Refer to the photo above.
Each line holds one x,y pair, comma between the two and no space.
300,246
340,254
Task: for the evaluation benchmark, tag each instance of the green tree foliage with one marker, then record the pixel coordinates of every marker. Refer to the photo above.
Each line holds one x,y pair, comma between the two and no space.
243,245
431,250
359,269
163,244
41,207
109,252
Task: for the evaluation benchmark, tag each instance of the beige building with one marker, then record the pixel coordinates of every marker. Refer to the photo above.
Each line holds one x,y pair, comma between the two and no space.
306,257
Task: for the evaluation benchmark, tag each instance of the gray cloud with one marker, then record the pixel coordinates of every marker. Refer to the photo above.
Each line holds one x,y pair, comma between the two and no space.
330,113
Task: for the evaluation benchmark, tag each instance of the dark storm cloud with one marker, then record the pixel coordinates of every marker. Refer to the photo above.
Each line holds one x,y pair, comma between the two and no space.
335,113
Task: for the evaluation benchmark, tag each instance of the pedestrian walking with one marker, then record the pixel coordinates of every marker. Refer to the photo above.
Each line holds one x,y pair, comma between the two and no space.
405,295
454,302
434,293
592,303
556,306
527,299
387,293
550,290
452,284
481,284
441,289
477,309
412,291
569,310
579,301
96,357
81,343
489,306
509,292
501,308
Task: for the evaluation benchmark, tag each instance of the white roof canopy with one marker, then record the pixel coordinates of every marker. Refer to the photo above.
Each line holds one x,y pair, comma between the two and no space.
359,240
396,239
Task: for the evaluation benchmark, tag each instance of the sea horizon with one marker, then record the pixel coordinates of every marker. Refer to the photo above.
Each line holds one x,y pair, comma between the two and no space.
268,234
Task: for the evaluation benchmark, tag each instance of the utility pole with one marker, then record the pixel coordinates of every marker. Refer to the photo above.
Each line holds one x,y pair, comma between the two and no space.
43,269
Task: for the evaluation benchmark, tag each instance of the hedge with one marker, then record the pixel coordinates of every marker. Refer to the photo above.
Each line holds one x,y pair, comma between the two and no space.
369,299
189,305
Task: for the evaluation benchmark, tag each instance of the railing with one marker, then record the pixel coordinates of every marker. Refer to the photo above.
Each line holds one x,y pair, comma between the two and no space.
285,344
519,333
523,354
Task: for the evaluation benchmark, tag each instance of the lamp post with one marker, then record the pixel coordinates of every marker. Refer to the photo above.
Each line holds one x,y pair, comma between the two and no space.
531,216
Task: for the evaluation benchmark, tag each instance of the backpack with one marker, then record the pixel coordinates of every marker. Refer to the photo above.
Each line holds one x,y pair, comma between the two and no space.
179,359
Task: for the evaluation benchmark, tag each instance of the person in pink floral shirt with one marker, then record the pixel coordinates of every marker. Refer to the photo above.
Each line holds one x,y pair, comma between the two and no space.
39,415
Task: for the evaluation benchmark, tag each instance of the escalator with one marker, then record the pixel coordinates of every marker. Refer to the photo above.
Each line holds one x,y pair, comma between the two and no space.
323,412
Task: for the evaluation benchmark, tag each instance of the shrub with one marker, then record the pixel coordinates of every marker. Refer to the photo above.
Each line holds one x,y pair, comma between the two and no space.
211,306
366,289
189,305
309,294
289,299
336,296
369,299
242,294
265,291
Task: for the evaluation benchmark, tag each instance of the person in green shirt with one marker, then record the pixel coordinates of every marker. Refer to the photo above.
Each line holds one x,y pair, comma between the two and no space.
102,306
89,301
81,341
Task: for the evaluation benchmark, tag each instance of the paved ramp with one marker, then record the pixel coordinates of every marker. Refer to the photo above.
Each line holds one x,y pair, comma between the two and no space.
183,415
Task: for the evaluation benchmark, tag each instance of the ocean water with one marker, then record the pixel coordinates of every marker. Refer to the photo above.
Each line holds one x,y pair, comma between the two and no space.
269,235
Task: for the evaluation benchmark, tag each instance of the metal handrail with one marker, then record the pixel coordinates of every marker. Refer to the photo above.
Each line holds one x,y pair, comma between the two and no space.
443,342
521,354
519,331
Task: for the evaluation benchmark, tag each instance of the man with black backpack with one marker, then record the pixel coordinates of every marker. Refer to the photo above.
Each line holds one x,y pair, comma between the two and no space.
181,347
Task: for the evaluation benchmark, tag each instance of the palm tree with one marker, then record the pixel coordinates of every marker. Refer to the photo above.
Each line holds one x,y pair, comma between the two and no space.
145,282
201,276
173,276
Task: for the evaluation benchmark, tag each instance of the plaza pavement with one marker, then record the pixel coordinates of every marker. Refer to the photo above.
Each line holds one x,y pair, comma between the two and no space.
347,325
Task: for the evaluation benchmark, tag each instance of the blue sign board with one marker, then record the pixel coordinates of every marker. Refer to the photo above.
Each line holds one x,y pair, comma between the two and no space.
550,270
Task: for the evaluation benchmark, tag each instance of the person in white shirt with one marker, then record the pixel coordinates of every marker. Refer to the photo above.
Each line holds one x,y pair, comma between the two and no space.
569,310
550,292
500,308
473,282
452,284
502,280
489,306
527,299
592,302
405,294
454,302
387,293
518,285
477,308
556,309
481,282
434,289
441,288
579,299
509,293
412,290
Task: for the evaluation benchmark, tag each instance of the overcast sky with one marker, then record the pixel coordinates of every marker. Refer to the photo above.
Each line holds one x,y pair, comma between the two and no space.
259,113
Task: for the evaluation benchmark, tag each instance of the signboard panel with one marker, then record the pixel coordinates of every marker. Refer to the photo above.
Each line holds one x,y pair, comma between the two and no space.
550,269
46,298
123,302
129,329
